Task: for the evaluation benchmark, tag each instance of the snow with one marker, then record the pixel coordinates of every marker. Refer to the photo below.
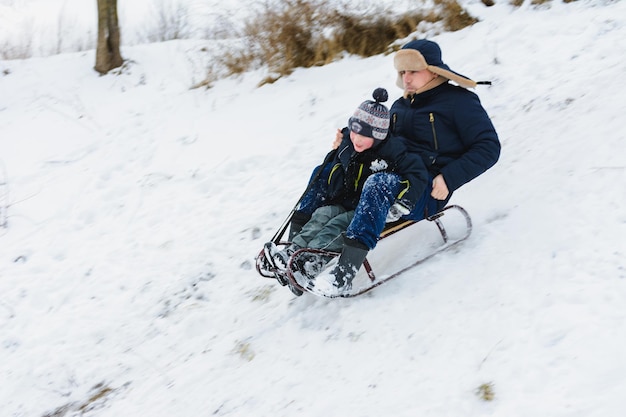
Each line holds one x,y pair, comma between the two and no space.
136,207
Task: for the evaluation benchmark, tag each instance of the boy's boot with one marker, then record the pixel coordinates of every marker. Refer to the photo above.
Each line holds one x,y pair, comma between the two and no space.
340,277
279,259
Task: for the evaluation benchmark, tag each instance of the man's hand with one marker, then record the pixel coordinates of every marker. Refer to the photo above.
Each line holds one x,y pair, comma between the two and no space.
338,137
440,189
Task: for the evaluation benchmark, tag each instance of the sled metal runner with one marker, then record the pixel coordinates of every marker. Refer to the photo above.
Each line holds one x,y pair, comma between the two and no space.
294,278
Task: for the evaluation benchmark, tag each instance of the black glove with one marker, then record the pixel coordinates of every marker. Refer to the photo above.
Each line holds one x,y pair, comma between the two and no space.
398,209
298,220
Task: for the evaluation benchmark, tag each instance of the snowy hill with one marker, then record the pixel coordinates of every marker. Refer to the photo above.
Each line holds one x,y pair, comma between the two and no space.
136,207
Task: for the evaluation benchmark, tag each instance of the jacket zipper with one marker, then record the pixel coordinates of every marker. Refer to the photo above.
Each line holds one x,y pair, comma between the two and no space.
432,125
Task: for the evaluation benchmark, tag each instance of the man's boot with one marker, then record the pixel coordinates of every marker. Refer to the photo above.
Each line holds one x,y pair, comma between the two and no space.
340,277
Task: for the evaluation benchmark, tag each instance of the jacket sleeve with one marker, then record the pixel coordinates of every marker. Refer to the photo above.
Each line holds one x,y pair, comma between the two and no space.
479,139
411,169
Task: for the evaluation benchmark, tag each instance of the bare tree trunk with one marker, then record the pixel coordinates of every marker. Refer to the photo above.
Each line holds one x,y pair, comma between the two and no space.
108,49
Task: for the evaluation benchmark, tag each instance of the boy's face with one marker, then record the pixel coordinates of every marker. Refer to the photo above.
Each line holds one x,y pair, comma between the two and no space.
360,142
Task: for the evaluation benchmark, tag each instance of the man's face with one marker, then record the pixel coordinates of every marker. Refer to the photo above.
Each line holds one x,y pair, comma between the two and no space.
414,80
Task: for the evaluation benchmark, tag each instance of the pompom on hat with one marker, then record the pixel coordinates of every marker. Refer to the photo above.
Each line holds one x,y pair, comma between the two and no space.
371,118
423,54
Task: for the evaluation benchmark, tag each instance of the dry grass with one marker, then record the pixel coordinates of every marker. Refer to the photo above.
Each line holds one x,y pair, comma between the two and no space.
486,392
100,395
518,3
454,16
304,33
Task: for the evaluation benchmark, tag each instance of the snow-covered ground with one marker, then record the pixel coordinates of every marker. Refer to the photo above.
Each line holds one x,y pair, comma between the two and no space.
136,207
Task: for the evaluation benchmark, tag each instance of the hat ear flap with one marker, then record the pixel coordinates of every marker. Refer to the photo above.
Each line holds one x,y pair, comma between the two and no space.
399,82
451,75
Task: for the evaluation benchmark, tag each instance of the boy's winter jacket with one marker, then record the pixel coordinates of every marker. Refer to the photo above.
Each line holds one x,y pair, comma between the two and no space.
350,170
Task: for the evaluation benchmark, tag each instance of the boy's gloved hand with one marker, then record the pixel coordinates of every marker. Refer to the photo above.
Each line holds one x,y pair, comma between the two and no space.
398,209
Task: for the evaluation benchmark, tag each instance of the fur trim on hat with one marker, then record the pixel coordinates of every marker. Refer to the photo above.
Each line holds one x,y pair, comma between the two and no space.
412,60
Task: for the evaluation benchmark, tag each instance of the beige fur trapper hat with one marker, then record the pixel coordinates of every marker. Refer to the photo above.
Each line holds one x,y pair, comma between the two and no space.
423,54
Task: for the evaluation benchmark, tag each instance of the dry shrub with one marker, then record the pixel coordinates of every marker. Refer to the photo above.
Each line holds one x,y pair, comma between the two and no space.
373,35
454,16
282,36
303,33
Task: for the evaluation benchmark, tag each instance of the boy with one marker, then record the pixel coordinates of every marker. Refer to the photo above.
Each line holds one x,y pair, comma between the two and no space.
365,149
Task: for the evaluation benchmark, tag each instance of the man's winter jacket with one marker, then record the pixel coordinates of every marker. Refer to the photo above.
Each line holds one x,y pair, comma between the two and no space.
448,127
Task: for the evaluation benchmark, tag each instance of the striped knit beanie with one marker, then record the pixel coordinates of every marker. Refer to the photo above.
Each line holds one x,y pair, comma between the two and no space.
371,118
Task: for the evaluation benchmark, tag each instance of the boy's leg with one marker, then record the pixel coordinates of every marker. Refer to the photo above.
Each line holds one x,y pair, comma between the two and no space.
318,221
330,237
311,201
379,193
